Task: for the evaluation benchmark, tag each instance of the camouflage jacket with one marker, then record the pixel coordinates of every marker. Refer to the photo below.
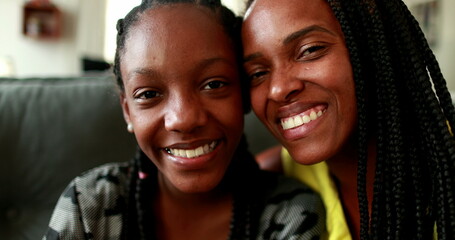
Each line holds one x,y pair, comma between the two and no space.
91,207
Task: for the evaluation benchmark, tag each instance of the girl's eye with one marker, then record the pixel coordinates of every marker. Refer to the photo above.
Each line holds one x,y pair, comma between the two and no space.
214,85
311,52
147,95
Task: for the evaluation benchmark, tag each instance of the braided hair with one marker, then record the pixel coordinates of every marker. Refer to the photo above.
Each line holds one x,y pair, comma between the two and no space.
143,173
404,104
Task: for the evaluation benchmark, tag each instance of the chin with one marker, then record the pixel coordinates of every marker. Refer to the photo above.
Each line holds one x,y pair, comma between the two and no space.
308,157
198,185
196,188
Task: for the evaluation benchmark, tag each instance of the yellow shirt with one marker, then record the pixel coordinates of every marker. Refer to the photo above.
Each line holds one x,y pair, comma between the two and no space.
317,177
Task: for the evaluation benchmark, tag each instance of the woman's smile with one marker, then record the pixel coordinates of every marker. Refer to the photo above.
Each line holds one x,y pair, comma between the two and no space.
302,118
302,85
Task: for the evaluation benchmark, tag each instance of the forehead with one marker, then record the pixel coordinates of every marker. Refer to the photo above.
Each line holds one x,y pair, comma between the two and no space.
176,36
174,25
174,17
271,17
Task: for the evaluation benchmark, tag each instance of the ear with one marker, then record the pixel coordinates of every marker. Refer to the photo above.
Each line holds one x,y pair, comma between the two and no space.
125,108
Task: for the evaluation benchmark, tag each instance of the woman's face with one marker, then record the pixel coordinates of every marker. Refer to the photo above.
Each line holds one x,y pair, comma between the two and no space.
302,85
182,95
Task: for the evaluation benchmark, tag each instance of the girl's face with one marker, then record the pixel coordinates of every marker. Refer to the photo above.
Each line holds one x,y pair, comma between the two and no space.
182,95
302,85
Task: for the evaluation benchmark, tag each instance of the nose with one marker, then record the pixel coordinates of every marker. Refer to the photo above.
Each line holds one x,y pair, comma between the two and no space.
284,86
184,114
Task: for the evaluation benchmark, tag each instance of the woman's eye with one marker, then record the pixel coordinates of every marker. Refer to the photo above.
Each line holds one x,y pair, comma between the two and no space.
257,75
214,85
311,51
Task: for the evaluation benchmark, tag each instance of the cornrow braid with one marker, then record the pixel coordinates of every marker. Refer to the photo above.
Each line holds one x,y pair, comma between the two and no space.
362,111
129,219
133,221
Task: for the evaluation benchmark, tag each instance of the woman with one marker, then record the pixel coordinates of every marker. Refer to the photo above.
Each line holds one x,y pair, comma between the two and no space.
177,68
346,86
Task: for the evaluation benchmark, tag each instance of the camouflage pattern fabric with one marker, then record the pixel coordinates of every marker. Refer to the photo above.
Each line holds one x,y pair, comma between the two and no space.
92,206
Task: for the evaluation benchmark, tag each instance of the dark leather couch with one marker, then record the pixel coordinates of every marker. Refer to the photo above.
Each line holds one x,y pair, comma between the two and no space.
52,130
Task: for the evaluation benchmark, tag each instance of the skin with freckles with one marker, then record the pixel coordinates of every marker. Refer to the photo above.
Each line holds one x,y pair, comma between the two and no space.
302,85
173,93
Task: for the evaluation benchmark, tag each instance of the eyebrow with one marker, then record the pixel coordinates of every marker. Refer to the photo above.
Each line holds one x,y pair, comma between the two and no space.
144,71
252,57
150,72
291,37
209,61
302,32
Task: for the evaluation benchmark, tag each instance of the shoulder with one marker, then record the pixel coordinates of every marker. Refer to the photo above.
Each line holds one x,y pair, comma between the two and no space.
94,199
281,188
99,182
292,210
102,186
110,172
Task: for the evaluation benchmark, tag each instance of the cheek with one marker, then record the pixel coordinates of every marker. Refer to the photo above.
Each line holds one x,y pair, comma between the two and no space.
339,80
346,87
346,96
258,100
229,113
236,113
146,125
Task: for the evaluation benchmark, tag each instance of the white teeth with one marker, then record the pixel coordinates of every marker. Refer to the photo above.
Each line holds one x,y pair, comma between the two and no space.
180,152
199,151
192,153
313,115
305,119
300,120
206,148
288,123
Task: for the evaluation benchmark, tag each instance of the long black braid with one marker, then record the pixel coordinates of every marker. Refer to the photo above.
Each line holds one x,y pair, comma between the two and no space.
395,71
413,183
404,104
138,220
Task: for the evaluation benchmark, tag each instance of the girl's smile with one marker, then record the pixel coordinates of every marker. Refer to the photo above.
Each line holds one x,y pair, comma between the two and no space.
173,93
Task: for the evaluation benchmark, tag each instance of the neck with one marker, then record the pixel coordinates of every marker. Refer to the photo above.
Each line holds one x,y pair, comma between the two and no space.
343,168
178,214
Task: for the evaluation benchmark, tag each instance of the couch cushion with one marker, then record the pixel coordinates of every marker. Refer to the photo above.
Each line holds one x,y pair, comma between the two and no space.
50,131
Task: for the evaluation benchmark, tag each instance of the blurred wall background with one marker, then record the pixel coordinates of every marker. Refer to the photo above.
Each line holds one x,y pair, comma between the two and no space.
89,31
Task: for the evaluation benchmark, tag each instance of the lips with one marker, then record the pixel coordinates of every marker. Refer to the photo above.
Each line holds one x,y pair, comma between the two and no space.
192,152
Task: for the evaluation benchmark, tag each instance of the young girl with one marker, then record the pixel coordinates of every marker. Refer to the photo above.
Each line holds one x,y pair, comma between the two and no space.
178,70
347,88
